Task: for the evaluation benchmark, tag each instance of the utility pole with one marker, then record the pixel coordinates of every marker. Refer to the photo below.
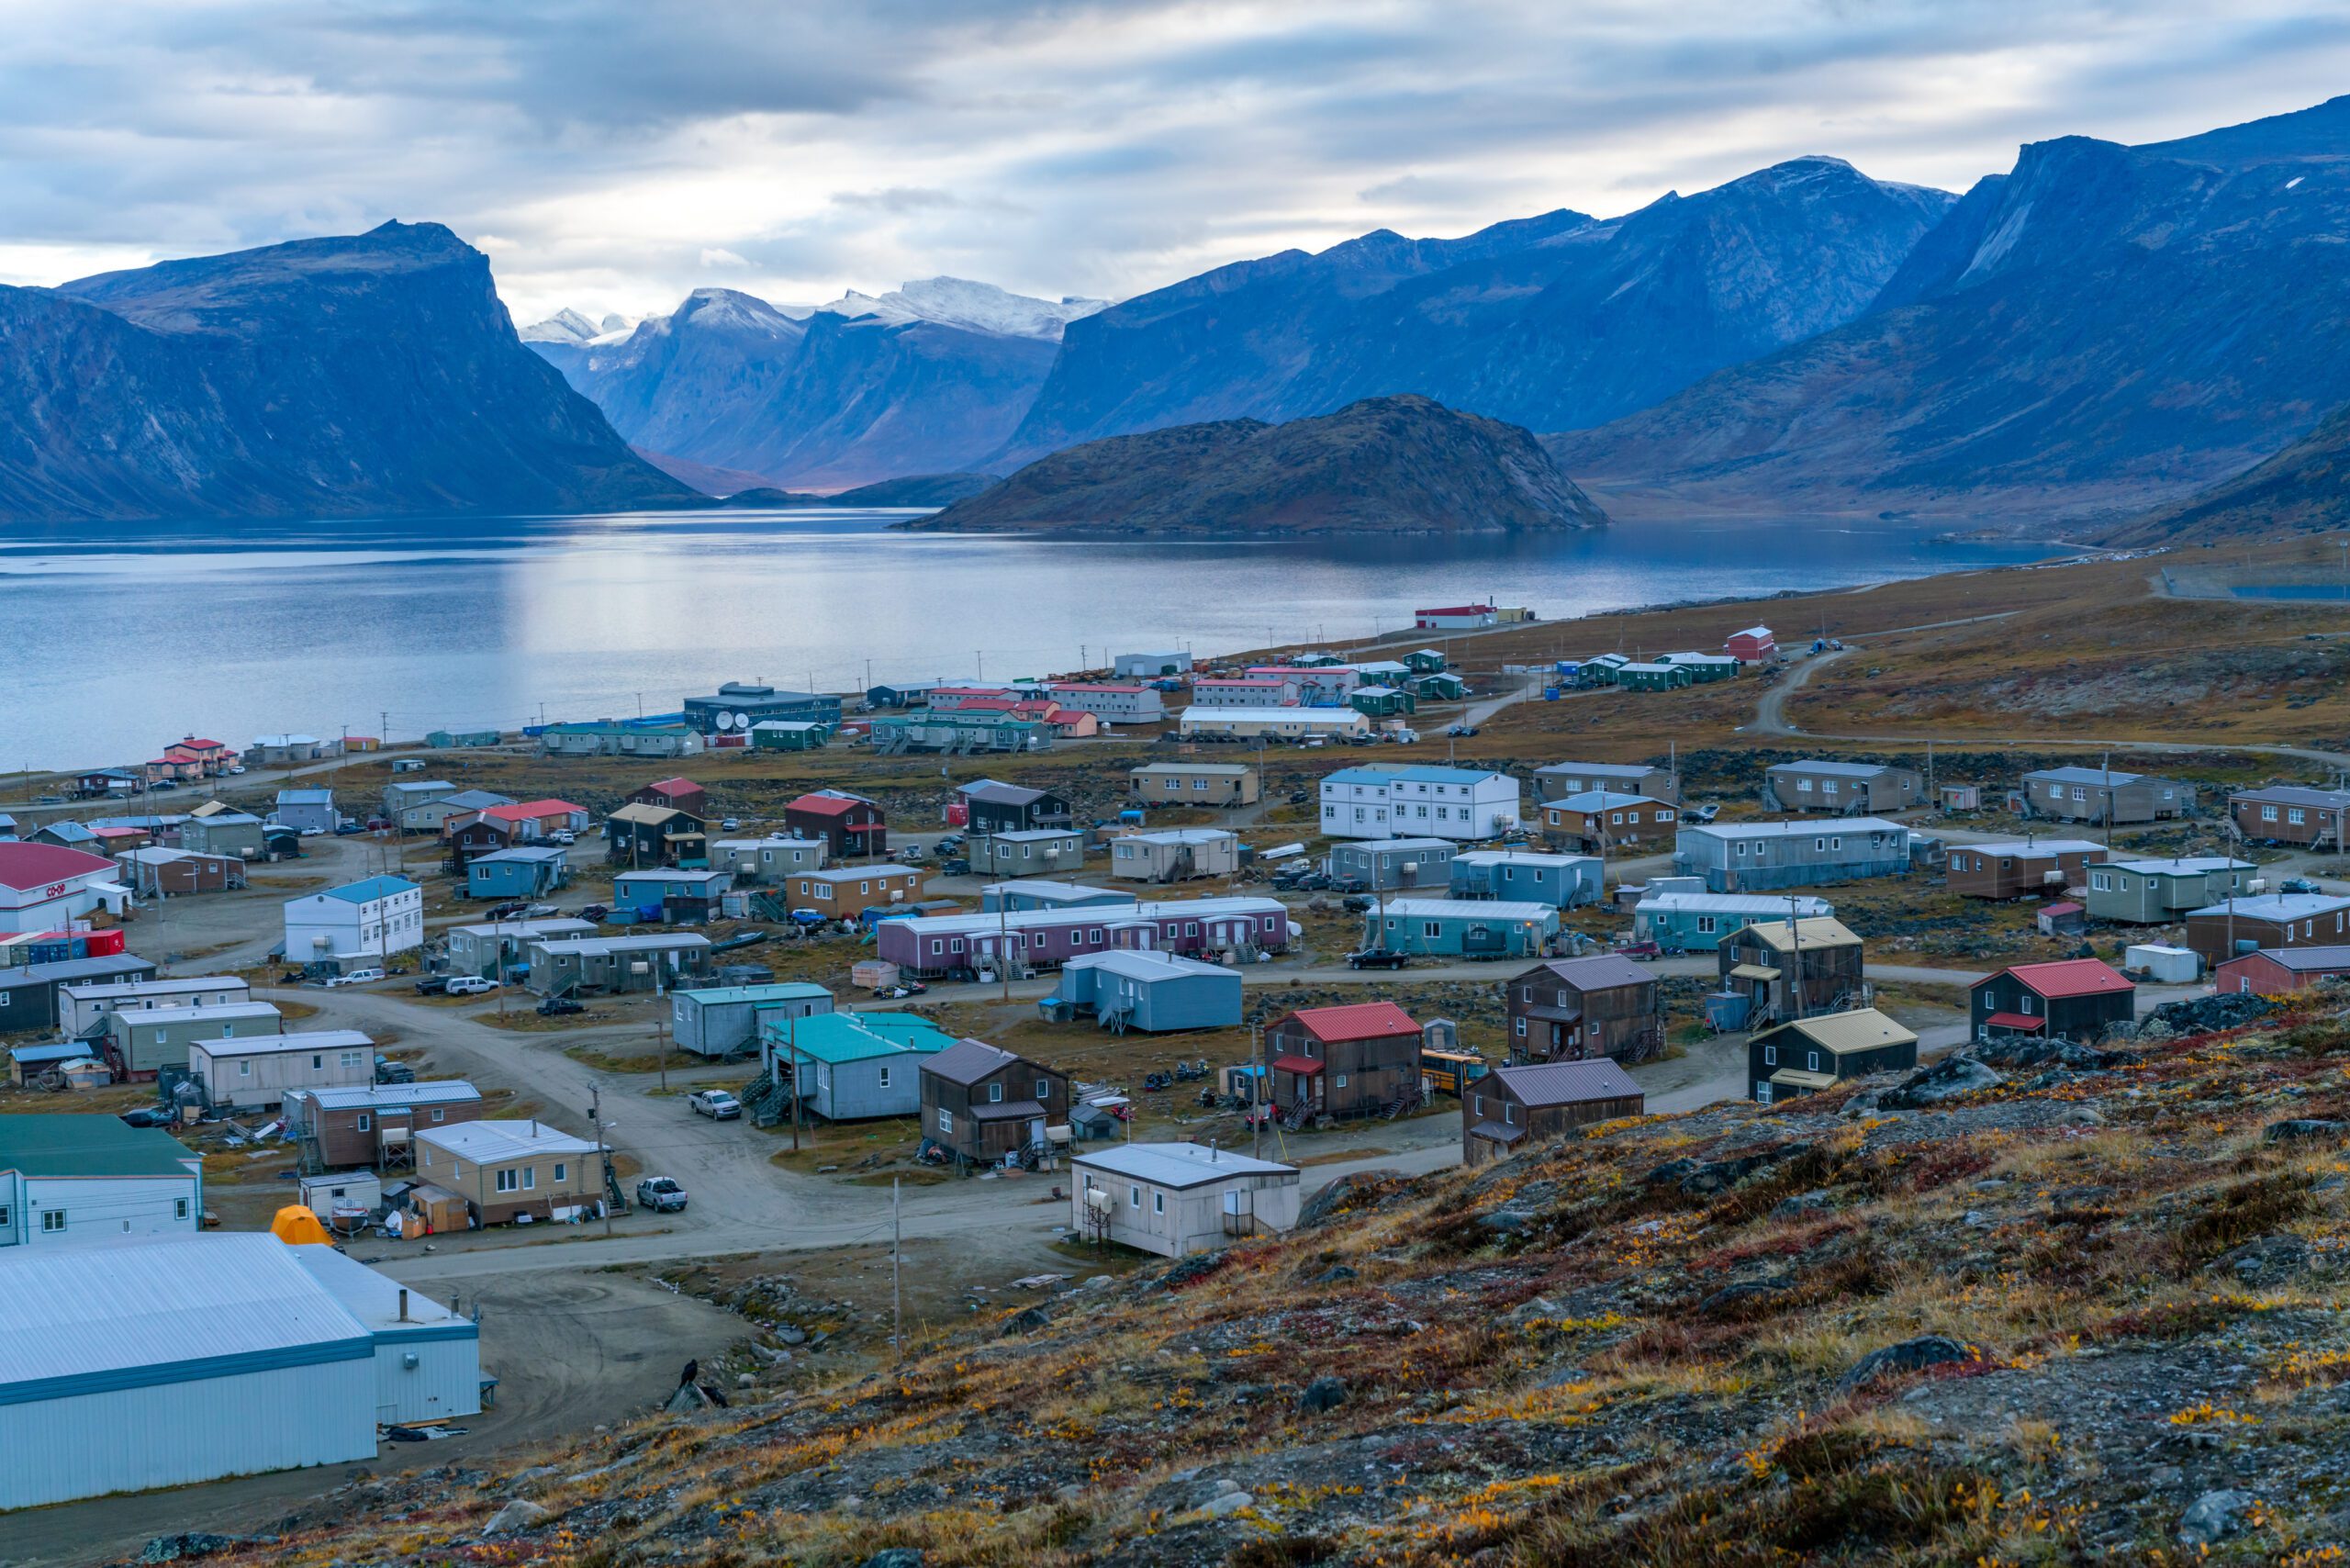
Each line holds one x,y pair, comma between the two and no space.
383,727
1002,947
1260,1088
603,1158
661,1034
897,1301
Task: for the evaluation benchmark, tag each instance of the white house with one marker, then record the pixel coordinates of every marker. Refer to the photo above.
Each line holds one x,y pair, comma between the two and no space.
46,887
360,921
80,1008
1275,723
1149,666
1179,1198
1457,803
1456,618
254,1074
93,1179
1117,702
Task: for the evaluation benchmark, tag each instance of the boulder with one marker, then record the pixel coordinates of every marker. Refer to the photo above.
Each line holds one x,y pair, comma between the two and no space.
1027,1321
896,1557
521,1514
1186,1270
1802,1203
196,1545
1349,1191
2266,1261
1323,1394
1335,1274
1908,1356
1730,1298
1953,1078
2214,1516
2305,1129
2202,1014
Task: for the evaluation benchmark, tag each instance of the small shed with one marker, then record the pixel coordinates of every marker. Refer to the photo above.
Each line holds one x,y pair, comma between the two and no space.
2062,919
726,1021
1176,1199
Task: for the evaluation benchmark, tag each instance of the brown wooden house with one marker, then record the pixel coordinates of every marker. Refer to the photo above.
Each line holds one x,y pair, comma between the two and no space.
2291,814
350,1129
1337,1062
849,825
506,1170
1599,821
1787,970
2016,868
470,840
1511,1105
2278,921
678,794
1569,1009
981,1102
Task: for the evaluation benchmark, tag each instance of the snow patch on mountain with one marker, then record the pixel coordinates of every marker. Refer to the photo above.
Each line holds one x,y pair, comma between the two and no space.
974,306
563,327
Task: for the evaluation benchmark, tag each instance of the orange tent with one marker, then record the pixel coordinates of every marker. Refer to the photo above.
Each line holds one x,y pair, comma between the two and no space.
297,1227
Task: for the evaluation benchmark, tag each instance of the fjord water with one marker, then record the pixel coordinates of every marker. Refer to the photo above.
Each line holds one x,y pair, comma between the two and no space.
133,635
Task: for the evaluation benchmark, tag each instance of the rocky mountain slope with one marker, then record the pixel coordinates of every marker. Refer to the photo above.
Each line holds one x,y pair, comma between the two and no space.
2303,489
914,490
1385,465
1553,322
2042,1305
372,374
923,379
2102,329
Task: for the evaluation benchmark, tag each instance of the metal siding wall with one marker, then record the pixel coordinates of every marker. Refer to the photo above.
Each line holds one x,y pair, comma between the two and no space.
132,1439
446,1380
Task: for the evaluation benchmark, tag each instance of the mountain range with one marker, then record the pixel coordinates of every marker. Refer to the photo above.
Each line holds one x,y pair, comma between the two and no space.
928,377
370,373
1382,465
2102,330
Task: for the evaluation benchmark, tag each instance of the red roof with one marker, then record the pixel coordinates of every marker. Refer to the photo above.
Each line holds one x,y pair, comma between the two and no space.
2072,977
2067,908
1296,1064
823,805
25,866
2023,1021
1457,609
678,786
1357,1021
200,744
531,810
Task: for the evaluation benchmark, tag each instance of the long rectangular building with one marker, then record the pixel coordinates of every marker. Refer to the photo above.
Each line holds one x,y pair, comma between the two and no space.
940,944
1760,857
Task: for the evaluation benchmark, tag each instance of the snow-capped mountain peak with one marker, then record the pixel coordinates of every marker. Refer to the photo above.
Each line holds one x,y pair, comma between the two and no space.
563,327
975,307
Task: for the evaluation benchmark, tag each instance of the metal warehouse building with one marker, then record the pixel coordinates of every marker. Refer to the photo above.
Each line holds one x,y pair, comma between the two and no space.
245,1363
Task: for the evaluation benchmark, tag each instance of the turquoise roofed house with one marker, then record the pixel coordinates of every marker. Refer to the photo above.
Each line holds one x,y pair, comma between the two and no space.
851,1066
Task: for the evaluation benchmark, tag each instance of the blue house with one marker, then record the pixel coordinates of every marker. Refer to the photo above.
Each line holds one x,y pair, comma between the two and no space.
302,809
1148,991
1462,928
720,1021
522,873
850,1066
1692,922
1564,881
1752,857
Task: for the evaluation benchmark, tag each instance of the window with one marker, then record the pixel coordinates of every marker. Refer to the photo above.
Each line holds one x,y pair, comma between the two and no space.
438,1112
53,1221
1043,1090
530,1178
2294,815
1342,1080
1814,1062
1521,1028
885,1078
364,1121
2268,814
507,1181
1134,1197
946,1121
1431,930
1158,1203
245,1069
1509,1114
995,1093
1706,924
562,1171
1770,1056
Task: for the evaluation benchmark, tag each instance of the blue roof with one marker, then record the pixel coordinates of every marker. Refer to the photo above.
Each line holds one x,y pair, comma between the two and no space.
1358,776
371,889
1443,775
306,796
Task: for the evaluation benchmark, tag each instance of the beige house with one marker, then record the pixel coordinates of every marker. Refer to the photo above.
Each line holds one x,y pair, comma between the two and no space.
1179,1198
1195,784
505,1170
255,1073
1175,854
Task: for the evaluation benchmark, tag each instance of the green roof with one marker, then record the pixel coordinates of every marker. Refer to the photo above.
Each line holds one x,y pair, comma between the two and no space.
839,1038
780,991
90,1145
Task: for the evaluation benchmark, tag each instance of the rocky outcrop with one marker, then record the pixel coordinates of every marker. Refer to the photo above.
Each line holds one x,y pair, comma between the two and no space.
1389,464
365,374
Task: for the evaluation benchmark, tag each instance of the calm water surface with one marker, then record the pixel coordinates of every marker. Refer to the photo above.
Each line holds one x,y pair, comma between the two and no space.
129,636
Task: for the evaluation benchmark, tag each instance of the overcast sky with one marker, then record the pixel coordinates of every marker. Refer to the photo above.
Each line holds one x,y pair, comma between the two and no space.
613,156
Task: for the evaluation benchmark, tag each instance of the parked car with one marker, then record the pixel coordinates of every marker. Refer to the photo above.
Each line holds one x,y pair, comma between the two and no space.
506,911
148,1116
1463,731
539,910
563,835
660,1194
1355,903
898,991
237,769
2297,885
594,912
345,829
955,868
557,1006
469,985
356,976
432,985
163,784
715,1103
314,833
1377,959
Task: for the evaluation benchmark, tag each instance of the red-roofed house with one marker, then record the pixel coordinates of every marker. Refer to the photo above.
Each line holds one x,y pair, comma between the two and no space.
1754,645
957,699
212,758
45,886
678,794
849,825
1335,1063
1112,701
534,820
2074,999
1456,618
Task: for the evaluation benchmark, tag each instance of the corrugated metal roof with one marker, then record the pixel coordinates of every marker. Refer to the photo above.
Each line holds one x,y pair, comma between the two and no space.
2034,847
967,1061
1178,1164
1146,965
839,1038
1819,931
1837,769
781,990
2302,960
119,989
275,1045
604,947
1601,972
2069,977
1569,1082
1863,1029
2184,866
375,1300
77,1312
1356,1021
1601,800
61,1144
369,888
492,1143
2277,907
227,1011
1521,858
1474,908
1824,828
1396,846
2097,776
361,1097
24,865
1025,919
2296,795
